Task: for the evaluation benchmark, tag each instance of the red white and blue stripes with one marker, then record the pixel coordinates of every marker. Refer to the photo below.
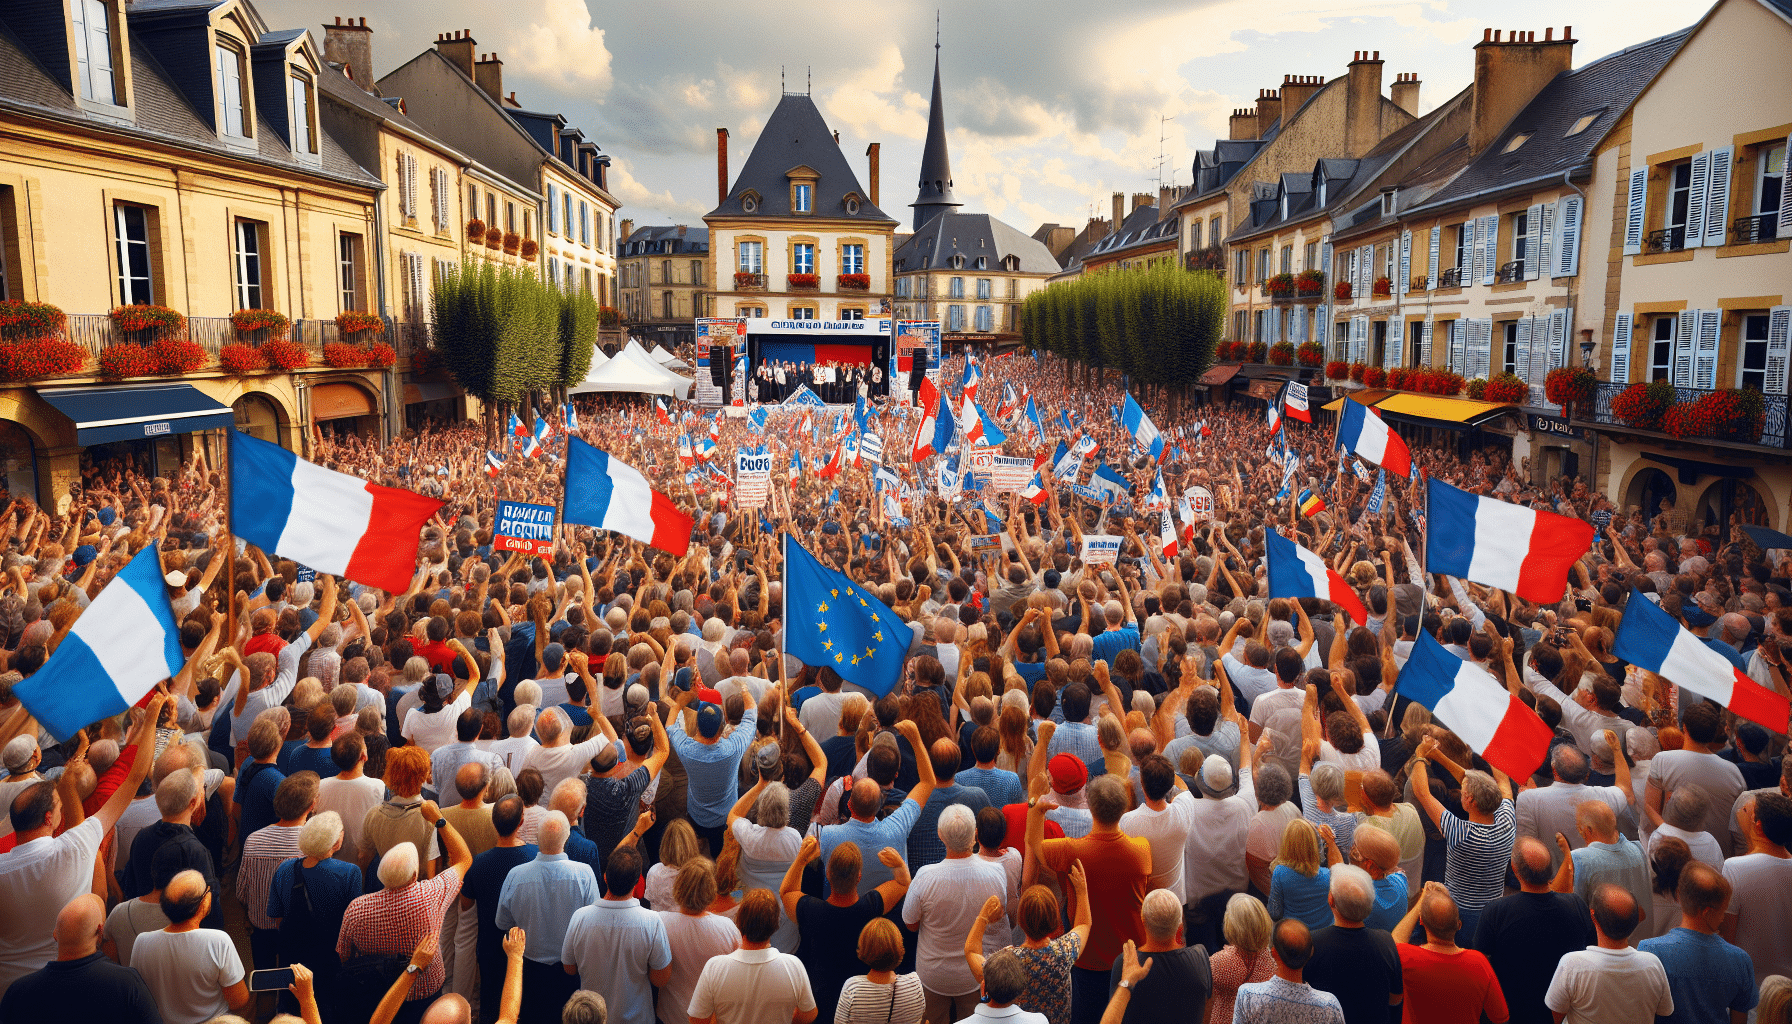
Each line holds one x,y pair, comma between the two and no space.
1501,544
1296,572
609,494
1472,704
1650,638
1362,431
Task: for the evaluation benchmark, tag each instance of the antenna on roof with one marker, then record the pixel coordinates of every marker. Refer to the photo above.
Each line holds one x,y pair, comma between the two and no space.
1162,136
936,30
809,80
780,78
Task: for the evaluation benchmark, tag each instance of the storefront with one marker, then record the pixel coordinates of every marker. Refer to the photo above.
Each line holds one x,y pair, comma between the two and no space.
340,408
140,426
431,401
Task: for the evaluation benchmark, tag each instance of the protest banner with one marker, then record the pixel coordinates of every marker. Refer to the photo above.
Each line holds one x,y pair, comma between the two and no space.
523,527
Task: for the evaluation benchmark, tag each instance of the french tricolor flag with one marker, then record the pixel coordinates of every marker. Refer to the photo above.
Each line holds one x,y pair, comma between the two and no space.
494,463
1294,399
1650,638
116,652
1296,572
937,425
660,412
332,522
1492,721
1035,491
1501,544
1362,431
1166,536
606,493
972,376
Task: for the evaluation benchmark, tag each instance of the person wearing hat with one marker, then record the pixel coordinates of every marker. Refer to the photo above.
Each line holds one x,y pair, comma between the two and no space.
20,757
712,761
1068,775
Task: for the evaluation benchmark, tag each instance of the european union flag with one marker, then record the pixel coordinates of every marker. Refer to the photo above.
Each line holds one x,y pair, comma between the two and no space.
830,620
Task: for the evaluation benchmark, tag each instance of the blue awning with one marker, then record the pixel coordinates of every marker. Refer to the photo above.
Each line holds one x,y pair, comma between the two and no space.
107,414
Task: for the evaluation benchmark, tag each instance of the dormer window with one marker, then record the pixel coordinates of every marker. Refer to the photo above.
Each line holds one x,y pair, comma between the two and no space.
1284,206
304,138
802,197
851,203
92,24
749,201
232,100
982,261
1517,141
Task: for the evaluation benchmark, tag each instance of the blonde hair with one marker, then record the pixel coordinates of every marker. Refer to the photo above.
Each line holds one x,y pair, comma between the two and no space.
1247,924
679,844
1300,848
1776,1000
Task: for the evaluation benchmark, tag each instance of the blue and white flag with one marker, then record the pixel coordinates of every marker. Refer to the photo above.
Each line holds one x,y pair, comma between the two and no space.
1109,482
1065,421
756,420
118,650
1377,496
862,413
1361,471
1066,464
884,479
951,481
1035,428
1085,446
1288,478
796,463
1159,497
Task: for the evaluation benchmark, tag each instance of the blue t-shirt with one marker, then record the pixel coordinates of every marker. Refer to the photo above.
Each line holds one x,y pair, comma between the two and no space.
1002,787
333,885
1706,975
485,882
255,788
305,758
1292,894
1109,644
583,850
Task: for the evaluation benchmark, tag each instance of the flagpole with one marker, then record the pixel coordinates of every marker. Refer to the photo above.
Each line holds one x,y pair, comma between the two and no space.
230,533
783,623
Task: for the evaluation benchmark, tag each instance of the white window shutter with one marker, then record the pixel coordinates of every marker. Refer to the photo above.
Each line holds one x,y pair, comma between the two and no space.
1350,259
1695,201
1567,252
1365,271
1521,355
1437,233
410,185
1717,196
1322,326
1779,347
1477,256
1533,262
1539,262
1405,261
1425,345
1483,347
1686,327
1633,217
1785,220
1621,331
1561,322
1704,363
1297,324
1490,247
1458,347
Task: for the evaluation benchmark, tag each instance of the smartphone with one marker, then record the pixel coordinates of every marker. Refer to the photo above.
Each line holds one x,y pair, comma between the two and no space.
277,980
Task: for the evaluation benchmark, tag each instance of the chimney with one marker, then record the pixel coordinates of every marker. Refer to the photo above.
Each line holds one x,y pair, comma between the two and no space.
1119,211
350,44
1362,104
1509,73
1098,227
510,100
721,166
681,230
1243,124
1140,199
1297,89
1163,201
872,153
488,74
1405,93
625,229
1269,109
459,48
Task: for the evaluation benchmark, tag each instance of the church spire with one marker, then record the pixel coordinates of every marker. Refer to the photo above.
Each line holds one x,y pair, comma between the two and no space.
934,195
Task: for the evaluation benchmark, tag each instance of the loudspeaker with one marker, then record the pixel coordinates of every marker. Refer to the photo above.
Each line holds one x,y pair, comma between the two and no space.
917,371
720,359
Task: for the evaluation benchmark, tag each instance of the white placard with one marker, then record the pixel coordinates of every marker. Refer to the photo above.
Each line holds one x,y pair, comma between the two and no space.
1100,548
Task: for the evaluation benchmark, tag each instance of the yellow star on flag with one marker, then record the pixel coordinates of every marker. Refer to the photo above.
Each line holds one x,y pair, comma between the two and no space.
839,658
822,608
878,636
829,644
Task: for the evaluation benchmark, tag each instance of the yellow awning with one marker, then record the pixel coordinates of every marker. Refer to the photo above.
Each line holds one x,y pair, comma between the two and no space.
1433,407
1362,396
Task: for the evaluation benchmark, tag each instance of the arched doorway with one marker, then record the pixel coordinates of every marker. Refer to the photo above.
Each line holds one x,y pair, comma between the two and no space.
343,408
1649,490
1732,497
18,461
257,416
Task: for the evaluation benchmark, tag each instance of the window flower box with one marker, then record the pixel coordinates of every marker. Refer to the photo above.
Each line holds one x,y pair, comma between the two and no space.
125,359
854,282
494,238
35,357
1280,286
1375,377
1337,369
803,282
512,242
1341,291
1383,286
1358,371
254,321
173,357
341,356
530,249
475,230
1309,283
1507,387
1282,353
30,319
1310,353
354,322
380,356
132,319
286,356
240,360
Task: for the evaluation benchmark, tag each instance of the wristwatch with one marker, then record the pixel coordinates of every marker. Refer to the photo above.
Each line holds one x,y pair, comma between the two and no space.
413,969
1126,984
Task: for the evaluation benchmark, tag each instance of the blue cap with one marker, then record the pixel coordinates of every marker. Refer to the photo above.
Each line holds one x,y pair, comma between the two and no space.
709,720
85,553
1696,617
553,655
107,514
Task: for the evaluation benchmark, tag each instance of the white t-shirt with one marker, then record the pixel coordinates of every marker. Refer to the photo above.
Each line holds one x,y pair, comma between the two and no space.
1267,825
1761,897
820,714
1721,781
187,972
513,750
1703,847
38,879
1609,986
1167,832
431,730
557,764
694,941
753,986
352,799
1219,832
944,902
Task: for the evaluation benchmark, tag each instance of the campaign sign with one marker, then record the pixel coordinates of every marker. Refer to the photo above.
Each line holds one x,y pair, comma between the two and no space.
752,476
1008,473
1100,549
307,574
1200,502
523,527
982,544
803,396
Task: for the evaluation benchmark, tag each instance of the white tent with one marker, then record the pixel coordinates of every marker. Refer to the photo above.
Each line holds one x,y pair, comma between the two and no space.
667,359
634,371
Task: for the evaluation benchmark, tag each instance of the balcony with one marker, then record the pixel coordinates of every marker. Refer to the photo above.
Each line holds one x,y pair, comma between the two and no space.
802,282
747,281
853,282
1750,230
1510,273
1772,432
1665,240
1451,278
1420,283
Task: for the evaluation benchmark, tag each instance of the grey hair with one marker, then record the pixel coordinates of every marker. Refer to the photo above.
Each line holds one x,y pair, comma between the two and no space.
1480,791
1162,912
1353,893
1642,744
398,867
500,785
528,692
1328,783
1686,808
318,837
958,828
521,720
552,833
774,806
584,1007
176,791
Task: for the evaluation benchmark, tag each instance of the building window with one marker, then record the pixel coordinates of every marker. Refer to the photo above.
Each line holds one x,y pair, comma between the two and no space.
1238,325
584,223
248,264
303,139
852,313
566,202
665,271
1310,256
1509,351
509,216
1751,363
697,273
800,196
131,224
1771,184
802,313
802,258
1521,239
1661,349
472,201
752,257
1679,198
93,50
1194,235
983,287
1240,265
852,259
956,288
585,279
348,260
491,211
1287,259
553,210
1259,321
528,224
1462,251
986,320
954,318
1415,334
230,92
553,271
666,305
902,287
1262,265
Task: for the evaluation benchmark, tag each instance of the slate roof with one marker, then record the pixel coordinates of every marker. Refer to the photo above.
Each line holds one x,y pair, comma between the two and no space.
933,194
1140,229
975,234
797,136
163,115
1608,85
695,240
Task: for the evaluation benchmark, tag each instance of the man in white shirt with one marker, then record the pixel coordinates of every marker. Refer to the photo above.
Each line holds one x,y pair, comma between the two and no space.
1004,982
1542,813
756,984
1696,763
513,751
1610,983
1213,858
1164,820
45,870
350,793
1761,888
558,758
447,759
942,903
194,973
553,676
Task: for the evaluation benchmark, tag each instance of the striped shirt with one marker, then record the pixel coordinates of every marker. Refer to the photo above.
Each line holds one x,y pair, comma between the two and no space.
1343,823
263,853
1475,872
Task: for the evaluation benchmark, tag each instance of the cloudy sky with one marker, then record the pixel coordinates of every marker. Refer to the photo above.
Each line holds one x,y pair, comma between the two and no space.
1051,104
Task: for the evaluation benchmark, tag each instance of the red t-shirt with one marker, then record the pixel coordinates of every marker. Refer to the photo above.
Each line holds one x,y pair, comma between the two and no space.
264,643
1016,838
1444,988
109,782
1118,870
439,655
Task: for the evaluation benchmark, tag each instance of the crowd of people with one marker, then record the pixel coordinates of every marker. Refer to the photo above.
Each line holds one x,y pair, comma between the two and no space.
592,786
835,382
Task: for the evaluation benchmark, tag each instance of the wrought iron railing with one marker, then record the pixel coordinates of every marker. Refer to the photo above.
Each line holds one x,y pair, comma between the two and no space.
1451,278
1749,230
95,331
1511,272
1773,432
1665,240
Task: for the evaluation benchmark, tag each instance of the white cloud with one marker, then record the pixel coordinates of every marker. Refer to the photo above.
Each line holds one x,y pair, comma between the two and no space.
562,47
644,205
